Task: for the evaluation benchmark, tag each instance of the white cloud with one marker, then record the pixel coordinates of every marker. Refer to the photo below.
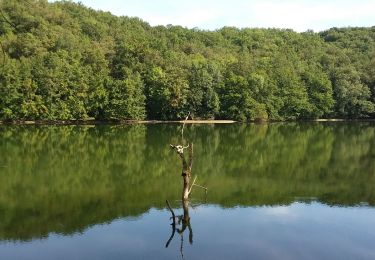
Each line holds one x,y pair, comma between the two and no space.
278,211
299,15
317,15
193,18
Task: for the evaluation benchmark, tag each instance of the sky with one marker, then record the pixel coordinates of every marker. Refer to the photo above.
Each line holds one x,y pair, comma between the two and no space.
299,15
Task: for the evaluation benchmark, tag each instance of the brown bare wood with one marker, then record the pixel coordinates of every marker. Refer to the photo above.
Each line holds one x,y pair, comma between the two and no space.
195,178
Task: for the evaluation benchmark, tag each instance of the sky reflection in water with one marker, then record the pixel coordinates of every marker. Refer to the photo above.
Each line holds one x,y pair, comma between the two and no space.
296,231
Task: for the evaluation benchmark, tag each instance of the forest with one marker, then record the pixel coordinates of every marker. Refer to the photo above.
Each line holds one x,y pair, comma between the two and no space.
65,61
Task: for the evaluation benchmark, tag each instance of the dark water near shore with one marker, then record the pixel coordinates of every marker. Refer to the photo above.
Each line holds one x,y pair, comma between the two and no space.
275,191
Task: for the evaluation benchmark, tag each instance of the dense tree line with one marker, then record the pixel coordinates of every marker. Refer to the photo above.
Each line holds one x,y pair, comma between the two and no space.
65,61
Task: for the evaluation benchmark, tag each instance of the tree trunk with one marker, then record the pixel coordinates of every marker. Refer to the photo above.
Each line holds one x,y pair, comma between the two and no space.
185,191
186,170
185,206
186,167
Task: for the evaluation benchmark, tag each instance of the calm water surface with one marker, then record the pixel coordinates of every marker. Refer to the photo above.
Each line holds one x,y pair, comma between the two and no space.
275,191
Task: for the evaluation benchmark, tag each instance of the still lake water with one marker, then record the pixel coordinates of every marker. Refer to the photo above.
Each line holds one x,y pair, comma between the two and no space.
275,191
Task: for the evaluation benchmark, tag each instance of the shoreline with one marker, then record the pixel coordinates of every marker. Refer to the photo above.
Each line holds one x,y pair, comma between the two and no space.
132,122
112,122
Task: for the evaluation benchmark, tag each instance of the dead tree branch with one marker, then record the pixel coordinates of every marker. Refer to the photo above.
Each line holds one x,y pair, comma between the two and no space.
172,212
183,126
173,223
195,178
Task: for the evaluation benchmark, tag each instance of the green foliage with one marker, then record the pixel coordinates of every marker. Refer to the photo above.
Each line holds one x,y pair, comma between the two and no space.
352,96
203,100
238,102
166,94
319,90
125,98
62,60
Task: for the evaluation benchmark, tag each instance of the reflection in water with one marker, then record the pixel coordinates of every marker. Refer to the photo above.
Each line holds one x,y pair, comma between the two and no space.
66,179
183,221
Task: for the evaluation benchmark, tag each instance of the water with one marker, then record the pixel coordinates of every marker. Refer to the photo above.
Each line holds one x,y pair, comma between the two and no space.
275,191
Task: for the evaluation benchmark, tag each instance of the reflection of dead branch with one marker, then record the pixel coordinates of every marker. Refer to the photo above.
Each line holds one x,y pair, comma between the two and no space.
184,221
172,212
173,223
182,246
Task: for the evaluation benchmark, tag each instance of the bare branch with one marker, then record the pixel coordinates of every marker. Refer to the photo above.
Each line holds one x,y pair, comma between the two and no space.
191,156
195,178
171,210
193,184
173,224
182,130
182,246
200,187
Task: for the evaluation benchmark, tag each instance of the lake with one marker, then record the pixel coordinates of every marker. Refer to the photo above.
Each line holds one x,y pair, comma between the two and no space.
275,191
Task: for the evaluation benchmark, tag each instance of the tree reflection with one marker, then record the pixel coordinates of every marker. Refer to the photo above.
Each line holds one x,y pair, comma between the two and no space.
179,224
65,179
